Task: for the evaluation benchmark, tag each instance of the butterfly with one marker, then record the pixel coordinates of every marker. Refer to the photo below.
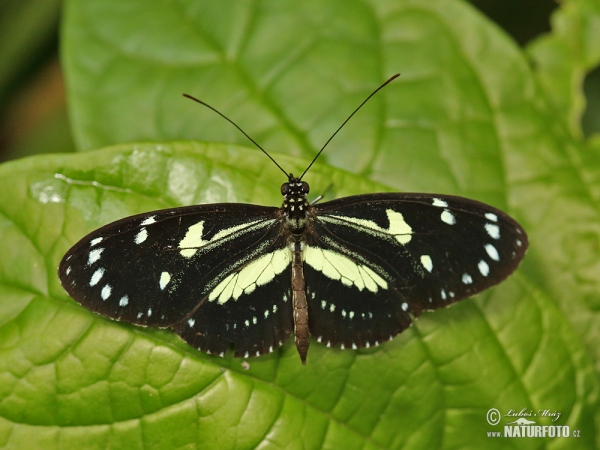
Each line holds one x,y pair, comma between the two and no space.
350,273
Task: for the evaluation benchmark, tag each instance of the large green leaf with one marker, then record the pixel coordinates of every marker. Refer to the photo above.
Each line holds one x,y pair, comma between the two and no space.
78,378
467,116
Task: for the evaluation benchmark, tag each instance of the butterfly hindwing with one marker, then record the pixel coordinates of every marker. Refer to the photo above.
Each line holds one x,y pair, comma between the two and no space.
343,315
251,309
374,262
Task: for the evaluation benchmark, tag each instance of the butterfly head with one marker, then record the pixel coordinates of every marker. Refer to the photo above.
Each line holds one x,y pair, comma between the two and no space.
294,187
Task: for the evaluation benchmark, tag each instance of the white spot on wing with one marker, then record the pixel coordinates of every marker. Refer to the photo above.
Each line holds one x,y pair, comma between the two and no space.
466,278
97,276
427,263
148,221
106,291
165,278
448,217
94,256
339,267
256,273
493,230
192,240
191,323
124,301
484,269
492,252
404,306
439,202
491,216
141,236
398,227
96,241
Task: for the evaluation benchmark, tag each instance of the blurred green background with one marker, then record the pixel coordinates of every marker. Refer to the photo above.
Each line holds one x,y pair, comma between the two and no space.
33,113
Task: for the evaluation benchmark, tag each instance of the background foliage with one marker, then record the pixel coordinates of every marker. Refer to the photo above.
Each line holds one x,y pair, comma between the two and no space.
472,114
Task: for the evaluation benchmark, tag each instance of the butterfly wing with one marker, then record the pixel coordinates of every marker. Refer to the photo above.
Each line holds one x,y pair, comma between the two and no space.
374,262
207,271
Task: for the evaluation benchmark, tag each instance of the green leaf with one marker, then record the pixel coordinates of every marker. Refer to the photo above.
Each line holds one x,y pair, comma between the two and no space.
563,58
467,116
82,379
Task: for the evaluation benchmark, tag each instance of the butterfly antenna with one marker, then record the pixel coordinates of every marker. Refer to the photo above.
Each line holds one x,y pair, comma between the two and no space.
236,125
345,121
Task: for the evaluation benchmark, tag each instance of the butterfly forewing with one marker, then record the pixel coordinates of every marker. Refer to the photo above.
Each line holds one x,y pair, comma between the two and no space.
373,262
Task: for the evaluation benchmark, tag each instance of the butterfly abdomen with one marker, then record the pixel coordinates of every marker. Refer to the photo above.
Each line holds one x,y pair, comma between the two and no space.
301,331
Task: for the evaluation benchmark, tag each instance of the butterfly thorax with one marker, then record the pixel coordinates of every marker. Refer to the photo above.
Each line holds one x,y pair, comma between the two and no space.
295,206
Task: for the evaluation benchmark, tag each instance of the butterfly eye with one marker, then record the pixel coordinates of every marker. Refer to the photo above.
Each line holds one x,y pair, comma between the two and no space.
305,187
285,188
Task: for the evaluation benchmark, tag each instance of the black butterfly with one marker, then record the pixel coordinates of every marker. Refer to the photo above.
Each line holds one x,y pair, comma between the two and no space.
352,272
